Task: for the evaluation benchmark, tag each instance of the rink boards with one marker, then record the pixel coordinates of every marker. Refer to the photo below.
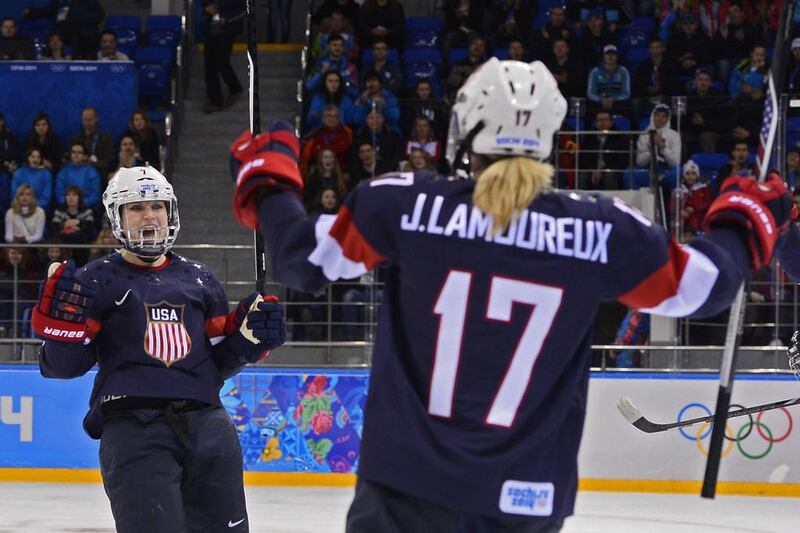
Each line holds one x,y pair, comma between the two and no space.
303,427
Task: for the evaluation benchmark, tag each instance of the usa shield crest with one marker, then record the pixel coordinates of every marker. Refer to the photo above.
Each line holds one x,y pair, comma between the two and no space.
166,338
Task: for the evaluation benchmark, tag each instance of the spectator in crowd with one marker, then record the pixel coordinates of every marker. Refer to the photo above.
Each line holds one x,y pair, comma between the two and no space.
332,94
713,14
387,142
327,202
383,19
326,173
704,111
756,62
516,51
747,109
128,156
417,159
8,148
42,137
348,7
569,72
689,47
24,219
793,68
105,238
332,134
12,46
733,40
79,173
666,140
34,173
54,253
463,19
338,25
77,22
739,165
603,157
422,138
694,198
610,82
459,72
424,104
653,78
375,97
792,171
73,223
108,48
614,16
19,278
98,144
366,165
509,20
146,138
224,22
334,59
594,41
55,50
557,27
390,73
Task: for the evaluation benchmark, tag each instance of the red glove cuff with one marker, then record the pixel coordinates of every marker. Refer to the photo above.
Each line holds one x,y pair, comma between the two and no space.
761,231
61,330
264,170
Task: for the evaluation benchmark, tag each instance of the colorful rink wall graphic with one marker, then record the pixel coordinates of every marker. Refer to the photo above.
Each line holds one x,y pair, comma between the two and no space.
304,427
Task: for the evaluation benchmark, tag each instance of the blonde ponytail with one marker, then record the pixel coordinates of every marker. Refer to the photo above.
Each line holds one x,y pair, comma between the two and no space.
509,185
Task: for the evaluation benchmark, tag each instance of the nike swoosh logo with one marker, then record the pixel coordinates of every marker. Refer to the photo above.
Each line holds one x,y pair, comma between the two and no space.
234,524
122,300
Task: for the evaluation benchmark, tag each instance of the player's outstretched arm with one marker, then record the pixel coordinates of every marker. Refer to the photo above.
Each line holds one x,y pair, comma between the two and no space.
268,191
256,326
62,318
788,249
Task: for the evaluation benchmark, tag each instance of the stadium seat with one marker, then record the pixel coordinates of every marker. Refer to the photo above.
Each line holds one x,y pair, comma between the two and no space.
457,54
501,54
647,24
154,55
127,41
792,123
422,39
422,63
164,22
413,24
644,121
622,123
36,28
710,162
570,124
633,38
154,84
634,56
130,22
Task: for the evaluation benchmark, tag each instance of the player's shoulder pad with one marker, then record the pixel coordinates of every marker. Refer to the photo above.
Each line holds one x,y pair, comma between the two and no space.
178,259
604,206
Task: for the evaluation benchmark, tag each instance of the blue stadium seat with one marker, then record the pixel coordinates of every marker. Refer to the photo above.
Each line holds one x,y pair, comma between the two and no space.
647,24
154,55
164,22
127,41
165,38
130,22
633,38
422,39
570,123
413,24
36,28
501,54
457,54
420,55
644,121
154,84
710,162
622,123
422,64
634,56
792,123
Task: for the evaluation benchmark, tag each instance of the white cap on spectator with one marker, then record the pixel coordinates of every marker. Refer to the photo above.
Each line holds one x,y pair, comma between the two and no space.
691,165
795,43
609,48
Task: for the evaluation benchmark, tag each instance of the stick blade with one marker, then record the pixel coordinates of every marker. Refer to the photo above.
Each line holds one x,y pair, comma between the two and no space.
635,417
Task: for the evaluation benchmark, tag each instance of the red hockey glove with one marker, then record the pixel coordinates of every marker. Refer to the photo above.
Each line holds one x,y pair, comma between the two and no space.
762,210
262,163
63,305
256,326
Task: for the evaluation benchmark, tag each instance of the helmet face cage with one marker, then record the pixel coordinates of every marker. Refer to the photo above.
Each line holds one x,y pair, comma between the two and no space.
142,184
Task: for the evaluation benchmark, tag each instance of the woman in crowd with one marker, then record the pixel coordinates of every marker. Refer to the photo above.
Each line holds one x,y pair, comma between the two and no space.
146,138
35,174
333,92
422,137
325,174
42,137
55,48
73,223
24,219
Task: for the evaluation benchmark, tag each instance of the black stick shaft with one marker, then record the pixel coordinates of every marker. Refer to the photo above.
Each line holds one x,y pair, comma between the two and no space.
652,427
255,127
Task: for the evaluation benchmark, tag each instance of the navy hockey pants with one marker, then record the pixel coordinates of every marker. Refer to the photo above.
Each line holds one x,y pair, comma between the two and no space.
377,507
173,470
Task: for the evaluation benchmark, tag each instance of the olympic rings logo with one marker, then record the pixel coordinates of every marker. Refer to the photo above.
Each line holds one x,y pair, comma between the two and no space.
736,437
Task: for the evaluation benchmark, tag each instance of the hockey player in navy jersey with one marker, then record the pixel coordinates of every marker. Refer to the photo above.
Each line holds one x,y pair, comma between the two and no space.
158,327
481,361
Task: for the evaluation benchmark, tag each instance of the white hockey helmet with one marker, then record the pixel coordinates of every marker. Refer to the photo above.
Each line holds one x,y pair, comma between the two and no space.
142,184
506,108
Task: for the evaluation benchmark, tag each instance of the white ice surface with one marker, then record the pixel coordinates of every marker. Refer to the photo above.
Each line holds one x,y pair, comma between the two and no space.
60,508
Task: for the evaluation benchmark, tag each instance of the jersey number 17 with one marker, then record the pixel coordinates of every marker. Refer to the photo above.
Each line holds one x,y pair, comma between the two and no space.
451,306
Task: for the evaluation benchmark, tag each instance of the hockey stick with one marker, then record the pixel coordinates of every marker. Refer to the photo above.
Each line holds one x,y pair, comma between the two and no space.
767,138
635,416
255,127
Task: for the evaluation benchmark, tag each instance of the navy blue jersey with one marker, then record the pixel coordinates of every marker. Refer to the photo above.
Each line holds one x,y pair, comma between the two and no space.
481,361
162,334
